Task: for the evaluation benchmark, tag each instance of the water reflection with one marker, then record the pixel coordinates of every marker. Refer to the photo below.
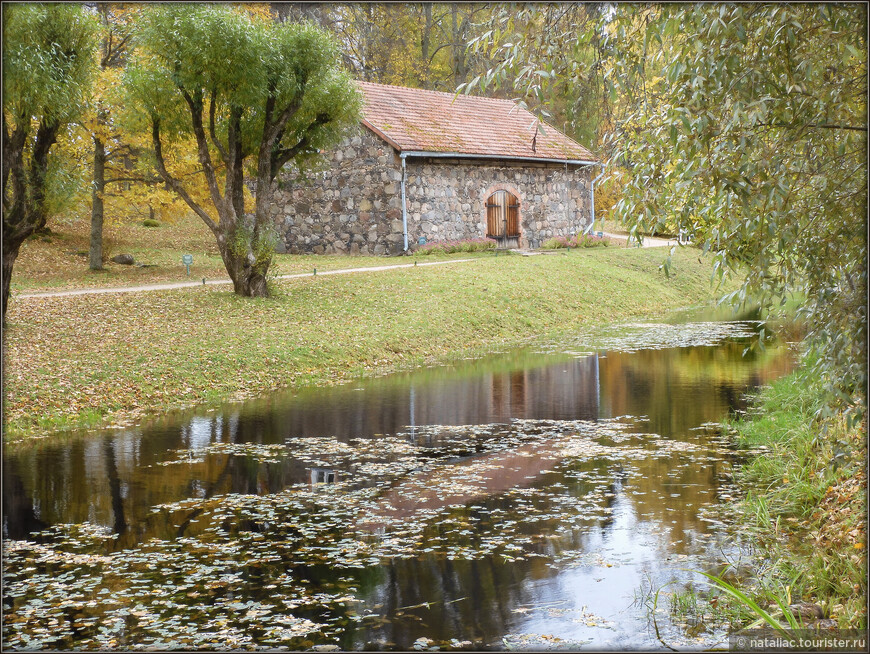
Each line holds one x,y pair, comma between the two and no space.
520,528
115,479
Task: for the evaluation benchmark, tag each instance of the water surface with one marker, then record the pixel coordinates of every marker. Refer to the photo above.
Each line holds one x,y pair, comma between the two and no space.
527,500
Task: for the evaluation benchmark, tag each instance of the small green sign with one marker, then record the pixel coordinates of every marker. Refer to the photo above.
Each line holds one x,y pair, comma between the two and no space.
187,259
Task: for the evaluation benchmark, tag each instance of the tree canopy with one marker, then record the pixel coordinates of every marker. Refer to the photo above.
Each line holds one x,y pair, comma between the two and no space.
749,133
278,100
422,45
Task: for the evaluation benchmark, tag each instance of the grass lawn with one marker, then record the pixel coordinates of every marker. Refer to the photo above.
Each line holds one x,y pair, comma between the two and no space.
87,361
59,260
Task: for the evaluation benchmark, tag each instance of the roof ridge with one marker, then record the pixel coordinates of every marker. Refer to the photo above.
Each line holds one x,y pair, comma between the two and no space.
450,93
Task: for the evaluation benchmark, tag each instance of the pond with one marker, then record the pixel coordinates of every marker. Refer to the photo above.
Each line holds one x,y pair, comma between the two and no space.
530,499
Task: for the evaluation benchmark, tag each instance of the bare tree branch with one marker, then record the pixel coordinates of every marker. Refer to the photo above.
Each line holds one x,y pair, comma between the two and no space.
195,104
174,184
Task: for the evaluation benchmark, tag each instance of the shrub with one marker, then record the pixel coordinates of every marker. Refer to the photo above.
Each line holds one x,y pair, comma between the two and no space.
150,222
465,245
578,241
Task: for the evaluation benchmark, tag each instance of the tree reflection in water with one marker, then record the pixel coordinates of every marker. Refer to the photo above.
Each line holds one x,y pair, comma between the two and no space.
493,499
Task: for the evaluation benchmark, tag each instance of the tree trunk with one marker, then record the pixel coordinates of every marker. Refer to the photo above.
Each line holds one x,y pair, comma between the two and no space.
120,523
460,67
19,516
426,40
367,46
99,184
25,213
10,254
249,280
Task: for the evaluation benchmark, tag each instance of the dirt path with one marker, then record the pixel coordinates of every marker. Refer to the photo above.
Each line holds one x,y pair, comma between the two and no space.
211,282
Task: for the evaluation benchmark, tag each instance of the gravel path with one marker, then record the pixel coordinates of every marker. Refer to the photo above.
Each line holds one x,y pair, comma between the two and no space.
648,241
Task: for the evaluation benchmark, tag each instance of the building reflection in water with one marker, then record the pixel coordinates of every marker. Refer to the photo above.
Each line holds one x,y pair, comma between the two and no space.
323,476
647,505
115,479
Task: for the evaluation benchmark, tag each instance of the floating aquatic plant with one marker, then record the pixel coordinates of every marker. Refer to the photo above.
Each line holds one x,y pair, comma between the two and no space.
241,581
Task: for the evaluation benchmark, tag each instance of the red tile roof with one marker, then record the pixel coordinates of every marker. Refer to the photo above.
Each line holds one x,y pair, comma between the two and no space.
414,120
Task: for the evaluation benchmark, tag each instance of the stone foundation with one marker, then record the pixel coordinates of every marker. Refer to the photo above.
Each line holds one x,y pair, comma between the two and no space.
353,204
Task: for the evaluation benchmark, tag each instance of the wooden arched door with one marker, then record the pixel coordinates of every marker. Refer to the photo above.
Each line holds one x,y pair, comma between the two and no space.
503,218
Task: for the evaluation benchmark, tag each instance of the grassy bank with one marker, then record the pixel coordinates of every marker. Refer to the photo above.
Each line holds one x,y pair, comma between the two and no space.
58,260
805,504
87,361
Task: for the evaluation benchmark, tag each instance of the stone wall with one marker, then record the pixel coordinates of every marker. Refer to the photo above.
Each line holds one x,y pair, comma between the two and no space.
353,204
447,199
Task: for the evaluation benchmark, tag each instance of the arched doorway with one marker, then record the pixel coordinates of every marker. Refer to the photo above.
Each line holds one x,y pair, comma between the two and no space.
503,218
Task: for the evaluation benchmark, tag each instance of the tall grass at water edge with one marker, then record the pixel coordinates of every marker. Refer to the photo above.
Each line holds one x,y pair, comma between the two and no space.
805,507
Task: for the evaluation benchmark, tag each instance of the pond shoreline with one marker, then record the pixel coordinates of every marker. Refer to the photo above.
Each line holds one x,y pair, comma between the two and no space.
804,501
75,363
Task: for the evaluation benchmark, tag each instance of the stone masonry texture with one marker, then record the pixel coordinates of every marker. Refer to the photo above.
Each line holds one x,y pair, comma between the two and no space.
352,204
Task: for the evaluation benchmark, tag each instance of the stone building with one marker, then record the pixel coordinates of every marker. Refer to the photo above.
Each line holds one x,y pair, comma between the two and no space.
427,166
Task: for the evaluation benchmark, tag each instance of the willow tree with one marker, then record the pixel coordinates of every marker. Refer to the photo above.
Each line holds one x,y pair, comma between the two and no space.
749,133
48,67
253,95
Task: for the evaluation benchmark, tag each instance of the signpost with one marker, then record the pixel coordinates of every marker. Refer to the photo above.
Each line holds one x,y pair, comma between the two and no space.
187,260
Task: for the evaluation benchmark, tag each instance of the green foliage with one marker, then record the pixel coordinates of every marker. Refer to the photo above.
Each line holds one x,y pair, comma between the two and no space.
804,498
65,177
805,457
150,222
48,66
746,601
48,69
184,50
465,245
48,63
551,55
578,241
748,130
